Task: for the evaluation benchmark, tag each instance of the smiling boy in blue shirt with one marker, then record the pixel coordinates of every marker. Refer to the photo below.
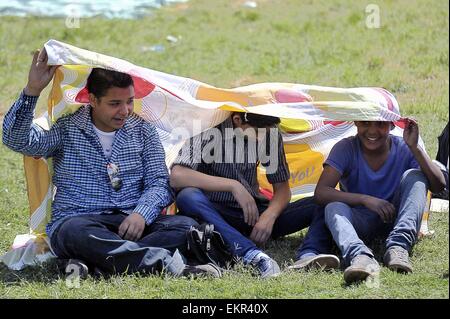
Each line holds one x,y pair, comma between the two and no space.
383,181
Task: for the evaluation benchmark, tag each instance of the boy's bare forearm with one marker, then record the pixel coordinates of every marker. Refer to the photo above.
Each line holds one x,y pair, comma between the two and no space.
280,199
325,195
182,177
431,171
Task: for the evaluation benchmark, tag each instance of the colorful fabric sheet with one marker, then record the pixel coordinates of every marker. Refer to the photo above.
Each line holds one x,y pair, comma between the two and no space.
314,117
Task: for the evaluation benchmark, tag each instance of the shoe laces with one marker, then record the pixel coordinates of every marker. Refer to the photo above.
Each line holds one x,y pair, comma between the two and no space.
400,254
361,258
264,264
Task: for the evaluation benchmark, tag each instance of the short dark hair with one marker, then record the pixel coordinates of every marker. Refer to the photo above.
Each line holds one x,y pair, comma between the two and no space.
101,80
257,120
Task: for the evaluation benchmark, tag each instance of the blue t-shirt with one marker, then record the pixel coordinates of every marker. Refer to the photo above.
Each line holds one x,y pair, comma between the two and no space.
357,176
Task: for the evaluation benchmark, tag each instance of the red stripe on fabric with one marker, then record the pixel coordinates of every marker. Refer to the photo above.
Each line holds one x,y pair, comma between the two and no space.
334,123
386,96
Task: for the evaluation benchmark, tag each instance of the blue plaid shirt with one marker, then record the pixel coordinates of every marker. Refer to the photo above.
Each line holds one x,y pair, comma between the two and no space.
80,176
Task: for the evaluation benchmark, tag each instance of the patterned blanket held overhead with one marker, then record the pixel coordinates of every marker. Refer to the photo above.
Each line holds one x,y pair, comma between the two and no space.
314,117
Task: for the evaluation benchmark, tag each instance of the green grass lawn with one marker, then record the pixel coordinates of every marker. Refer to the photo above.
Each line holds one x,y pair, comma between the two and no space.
226,45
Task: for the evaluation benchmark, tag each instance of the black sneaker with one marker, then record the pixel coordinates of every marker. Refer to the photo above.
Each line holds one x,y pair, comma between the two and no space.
73,266
209,269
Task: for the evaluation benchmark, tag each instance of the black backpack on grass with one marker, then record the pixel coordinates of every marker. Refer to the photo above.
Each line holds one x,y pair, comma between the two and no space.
208,246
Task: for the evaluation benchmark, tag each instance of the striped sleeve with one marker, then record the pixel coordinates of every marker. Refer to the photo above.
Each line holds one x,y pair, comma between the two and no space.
21,135
190,154
277,172
157,192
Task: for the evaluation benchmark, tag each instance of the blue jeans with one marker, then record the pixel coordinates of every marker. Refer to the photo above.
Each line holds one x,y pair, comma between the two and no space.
230,221
95,240
352,226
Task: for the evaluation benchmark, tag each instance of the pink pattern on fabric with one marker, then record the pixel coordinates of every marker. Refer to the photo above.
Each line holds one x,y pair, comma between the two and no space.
291,96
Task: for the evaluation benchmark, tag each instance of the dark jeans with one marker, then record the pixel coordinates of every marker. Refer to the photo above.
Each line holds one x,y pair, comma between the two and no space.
94,239
230,222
